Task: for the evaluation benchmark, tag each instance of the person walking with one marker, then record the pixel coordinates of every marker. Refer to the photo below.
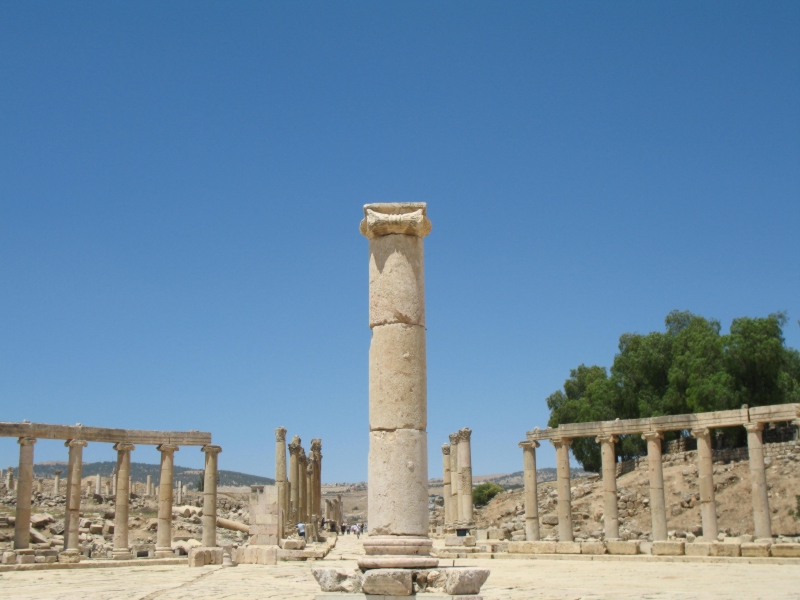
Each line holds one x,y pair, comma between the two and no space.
301,530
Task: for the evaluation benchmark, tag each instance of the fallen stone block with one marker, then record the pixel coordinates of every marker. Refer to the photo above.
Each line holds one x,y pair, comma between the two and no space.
388,582
785,550
495,533
338,580
69,556
8,558
667,548
698,549
724,549
463,540
622,547
593,548
465,580
293,544
26,559
753,549
568,547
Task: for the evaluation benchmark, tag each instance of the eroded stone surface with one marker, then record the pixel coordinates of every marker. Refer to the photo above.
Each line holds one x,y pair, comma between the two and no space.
338,580
388,582
465,580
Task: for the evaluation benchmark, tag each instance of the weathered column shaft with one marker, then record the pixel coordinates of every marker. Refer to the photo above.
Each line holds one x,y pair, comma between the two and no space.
705,481
121,549
531,492
465,464
565,533
455,480
302,486
22,525
294,478
72,513
658,511
446,483
57,483
10,479
149,486
98,485
165,483
210,495
280,479
610,510
758,481
398,390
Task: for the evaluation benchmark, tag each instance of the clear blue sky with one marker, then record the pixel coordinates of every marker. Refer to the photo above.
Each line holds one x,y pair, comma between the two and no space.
181,185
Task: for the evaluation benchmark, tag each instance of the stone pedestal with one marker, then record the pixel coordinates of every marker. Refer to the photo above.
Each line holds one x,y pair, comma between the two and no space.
398,455
280,479
758,481
22,525
72,513
531,492
610,510
705,472
210,495
122,549
562,445
658,512
164,533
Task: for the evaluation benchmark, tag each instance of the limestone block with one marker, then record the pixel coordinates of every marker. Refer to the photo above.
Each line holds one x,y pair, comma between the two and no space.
8,558
397,378
388,582
465,580
723,549
196,558
537,547
293,544
455,540
785,550
593,548
498,534
482,534
551,520
25,559
568,547
290,555
698,549
396,280
69,556
667,548
622,547
398,476
751,549
338,580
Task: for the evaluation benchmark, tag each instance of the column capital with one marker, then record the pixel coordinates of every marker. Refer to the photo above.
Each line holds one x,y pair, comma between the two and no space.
58,472
652,435
606,439
532,444
167,448
753,427
316,445
407,218
446,449
124,447
76,443
453,439
464,434
280,434
310,468
26,441
294,445
211,449
701,432
561,441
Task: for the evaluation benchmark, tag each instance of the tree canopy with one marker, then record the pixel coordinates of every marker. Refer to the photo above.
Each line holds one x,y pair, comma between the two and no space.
691,367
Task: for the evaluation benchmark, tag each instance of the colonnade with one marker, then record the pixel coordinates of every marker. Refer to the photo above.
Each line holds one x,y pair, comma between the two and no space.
77,438
299,494
652,431
334,511
457,468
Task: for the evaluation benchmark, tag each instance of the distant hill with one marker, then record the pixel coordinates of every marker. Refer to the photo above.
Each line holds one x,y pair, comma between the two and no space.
140,471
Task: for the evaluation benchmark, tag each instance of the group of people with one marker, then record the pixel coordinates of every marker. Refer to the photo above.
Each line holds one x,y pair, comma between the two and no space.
357,529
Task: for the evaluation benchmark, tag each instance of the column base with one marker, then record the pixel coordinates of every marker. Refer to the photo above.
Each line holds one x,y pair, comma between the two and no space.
397,552
121,554
165,553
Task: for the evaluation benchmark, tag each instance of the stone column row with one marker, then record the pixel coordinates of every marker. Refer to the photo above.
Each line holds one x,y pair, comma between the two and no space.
457,477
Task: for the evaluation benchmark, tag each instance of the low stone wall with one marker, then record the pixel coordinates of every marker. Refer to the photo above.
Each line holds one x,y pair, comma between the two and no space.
732,547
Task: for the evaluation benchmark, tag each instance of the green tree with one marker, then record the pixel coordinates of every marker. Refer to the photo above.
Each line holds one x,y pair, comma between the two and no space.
481,494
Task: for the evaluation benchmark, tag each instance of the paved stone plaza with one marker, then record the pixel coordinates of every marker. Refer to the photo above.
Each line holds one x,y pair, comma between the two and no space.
510,579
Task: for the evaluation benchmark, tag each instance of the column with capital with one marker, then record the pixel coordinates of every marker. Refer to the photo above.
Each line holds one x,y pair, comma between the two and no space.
531,492
658,511
465,466
446,483
609,461
398,405
309,497
705,481
22,525
57,482
280,479
758,481
122,549
165,483
316,483
562,445
72,513
302,488
210,495
10,479
294,479
455,480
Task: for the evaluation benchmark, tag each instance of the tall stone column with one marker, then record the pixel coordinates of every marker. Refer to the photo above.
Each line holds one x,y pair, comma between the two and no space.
339,509
73,508
98,485
658,511
309,495
398,409
609,461
302,488
455,480
10,479
758,481
148,486
210,495
180,492
465,464
531,493
316,483
446,484
22,526
40,485
565,533
57,482
280,479
165,483
122,549
294,479
705,480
